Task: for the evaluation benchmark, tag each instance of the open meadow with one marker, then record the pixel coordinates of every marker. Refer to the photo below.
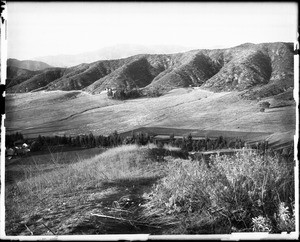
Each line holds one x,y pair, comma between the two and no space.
72,113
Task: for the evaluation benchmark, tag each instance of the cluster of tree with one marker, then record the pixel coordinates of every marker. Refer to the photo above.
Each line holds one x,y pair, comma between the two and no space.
154,93
263,106
11,138
83,141
190,144
139,138
122,94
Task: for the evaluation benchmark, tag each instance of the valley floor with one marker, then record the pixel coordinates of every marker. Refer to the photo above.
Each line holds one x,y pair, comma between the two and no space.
76,112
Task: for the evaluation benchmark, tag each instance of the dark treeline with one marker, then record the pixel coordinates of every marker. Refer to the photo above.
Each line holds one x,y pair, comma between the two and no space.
10,139
83,141
190,144
140,138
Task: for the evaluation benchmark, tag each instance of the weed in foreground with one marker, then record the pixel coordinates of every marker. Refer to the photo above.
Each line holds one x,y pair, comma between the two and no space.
245,192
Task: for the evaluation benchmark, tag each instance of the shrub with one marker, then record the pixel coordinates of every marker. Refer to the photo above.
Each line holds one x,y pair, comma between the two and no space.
261,224
264,104
154,93
242,192
285,218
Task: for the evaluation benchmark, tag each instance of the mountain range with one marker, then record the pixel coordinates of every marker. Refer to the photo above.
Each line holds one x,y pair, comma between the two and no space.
256,70
110,53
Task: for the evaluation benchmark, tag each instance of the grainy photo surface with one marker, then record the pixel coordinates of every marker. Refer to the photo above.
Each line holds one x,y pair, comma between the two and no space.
150,118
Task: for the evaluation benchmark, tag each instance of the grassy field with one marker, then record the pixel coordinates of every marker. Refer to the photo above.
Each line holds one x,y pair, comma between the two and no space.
53,158
64,198
144,189
59,112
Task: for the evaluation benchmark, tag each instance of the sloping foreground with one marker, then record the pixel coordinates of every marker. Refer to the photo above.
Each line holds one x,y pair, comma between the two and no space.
98,195
132,189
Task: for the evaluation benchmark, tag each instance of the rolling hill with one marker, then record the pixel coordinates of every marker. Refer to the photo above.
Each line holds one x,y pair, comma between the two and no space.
38,81
16,75
21,71
28,64
256,70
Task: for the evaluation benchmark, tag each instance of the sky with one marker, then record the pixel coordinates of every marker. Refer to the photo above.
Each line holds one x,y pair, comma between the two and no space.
50,28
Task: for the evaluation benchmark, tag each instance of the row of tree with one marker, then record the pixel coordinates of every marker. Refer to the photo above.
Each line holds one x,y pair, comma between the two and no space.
83,141
190,144
140,138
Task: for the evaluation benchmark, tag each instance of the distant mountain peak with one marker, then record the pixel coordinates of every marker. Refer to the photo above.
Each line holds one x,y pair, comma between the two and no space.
110,53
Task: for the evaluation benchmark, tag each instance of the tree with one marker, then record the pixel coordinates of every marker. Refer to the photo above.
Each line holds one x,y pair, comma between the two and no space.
264,104
189,142
91,140
109,92
195,145
209,145
184,144
177,143
172,139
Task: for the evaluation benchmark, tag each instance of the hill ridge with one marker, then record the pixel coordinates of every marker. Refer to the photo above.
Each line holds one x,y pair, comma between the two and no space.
258,69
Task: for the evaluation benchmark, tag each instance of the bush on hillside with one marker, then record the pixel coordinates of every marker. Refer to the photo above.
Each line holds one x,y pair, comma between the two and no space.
154,93
264,104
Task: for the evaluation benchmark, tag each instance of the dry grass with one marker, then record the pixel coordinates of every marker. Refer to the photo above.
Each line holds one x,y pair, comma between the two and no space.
197,109
132,189
122,162
64,199
224,198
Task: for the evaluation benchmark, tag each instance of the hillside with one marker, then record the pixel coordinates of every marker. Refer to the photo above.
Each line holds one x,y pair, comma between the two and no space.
256,70
16,75
37,81
28,64
21,71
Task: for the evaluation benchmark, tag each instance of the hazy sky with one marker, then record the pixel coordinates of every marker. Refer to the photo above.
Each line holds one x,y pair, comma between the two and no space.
50,28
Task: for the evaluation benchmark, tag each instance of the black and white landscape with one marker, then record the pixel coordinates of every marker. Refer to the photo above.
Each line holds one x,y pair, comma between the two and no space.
153,139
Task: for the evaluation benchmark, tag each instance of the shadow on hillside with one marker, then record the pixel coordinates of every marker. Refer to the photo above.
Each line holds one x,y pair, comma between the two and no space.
121,213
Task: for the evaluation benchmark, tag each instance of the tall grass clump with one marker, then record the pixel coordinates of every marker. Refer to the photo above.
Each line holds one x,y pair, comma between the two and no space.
244,192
